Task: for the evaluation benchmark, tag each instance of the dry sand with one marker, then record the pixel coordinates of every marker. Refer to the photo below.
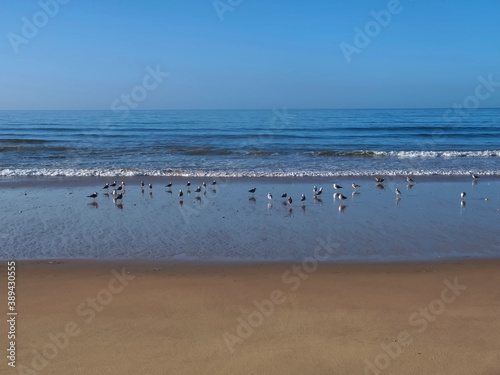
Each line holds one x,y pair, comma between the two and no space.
172,319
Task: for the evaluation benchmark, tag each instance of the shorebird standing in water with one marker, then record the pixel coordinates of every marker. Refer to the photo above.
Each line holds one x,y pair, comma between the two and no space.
408,179
181,193
198,189
378,179
283,195
269,196
336,187
114,192
462,195
214,182
474,176
302,198
106,186
168,185
94,196
319,192
289,200
118,197
188,184
204,185
142,184
252,190
315,189
398,192
355,185
150,186
342,197
113,184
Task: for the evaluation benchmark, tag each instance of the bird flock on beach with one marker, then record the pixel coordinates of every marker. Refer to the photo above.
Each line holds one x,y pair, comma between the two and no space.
118,191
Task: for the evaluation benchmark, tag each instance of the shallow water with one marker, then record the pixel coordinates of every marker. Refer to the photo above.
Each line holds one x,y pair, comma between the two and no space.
54,219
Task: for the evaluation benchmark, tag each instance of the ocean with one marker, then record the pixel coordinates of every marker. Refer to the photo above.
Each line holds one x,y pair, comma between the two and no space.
250,143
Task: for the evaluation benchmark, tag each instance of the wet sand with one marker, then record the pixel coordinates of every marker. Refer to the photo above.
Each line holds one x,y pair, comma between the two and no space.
156,317
42,218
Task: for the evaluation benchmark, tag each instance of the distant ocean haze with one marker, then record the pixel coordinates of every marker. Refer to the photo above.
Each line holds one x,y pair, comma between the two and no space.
276,142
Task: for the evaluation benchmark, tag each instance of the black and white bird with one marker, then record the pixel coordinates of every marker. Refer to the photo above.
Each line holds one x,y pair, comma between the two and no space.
252,190
142,184
319,192
284,195
123,184
342,197
168,185
355,185
378,179
204,185
94,196
398,192
113,184
214,182
150,186
269,196
462,195
302,198
289,200
119,188
181,193
114,192
188,183
315,189
198,189
474,176
106,186
118,197
408,179
336,187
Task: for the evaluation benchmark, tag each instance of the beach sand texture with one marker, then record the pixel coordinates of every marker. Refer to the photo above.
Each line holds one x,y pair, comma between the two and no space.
159,318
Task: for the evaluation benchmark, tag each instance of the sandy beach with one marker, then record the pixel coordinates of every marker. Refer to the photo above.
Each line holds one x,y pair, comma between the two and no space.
118,317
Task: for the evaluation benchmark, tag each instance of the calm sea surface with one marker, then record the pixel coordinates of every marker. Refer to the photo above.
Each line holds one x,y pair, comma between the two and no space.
249,142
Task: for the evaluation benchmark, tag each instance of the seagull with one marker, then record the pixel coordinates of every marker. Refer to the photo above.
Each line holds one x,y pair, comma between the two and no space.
463,195
355,185
181,193
290,200
150,186
214,183
198,189
188,184
378,179
302,198
92,195
106,186
283,195
269,196
168,185
398,192
113,184
315,189
252,190
408,179
335,186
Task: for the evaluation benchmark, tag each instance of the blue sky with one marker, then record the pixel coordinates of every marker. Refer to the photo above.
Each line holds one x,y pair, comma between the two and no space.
262,54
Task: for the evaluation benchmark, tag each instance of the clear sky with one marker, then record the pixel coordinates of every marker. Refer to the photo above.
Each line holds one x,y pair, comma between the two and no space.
251,54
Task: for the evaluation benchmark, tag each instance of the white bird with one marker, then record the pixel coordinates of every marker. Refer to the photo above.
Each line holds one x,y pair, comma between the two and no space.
269,196
114,192
336,187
